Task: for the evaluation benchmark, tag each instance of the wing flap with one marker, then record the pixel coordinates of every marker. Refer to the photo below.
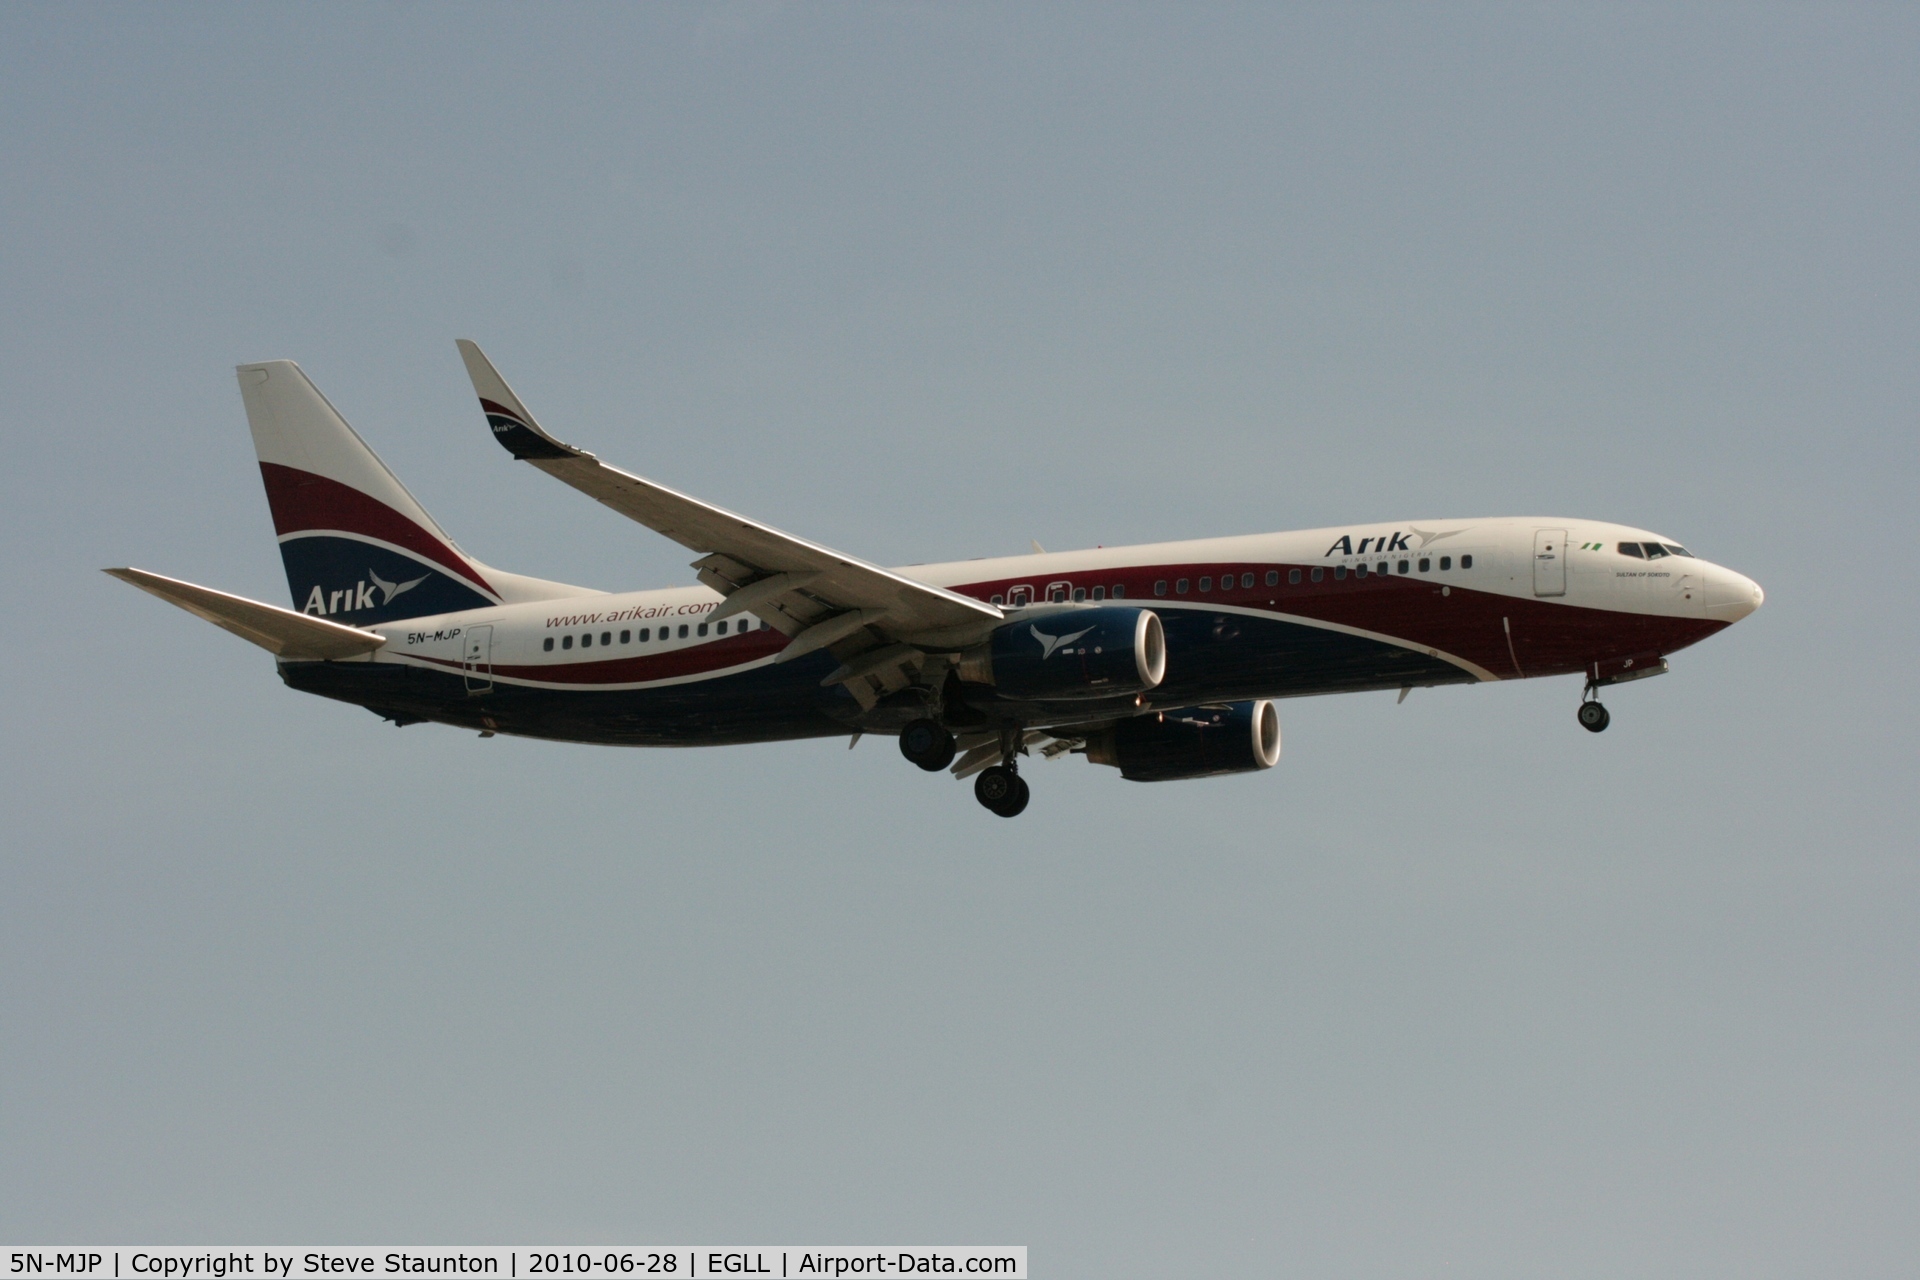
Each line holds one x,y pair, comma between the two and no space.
281,632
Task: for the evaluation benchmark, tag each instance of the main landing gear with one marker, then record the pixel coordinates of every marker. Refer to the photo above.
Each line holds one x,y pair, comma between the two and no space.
927,744
1001,790
1592,716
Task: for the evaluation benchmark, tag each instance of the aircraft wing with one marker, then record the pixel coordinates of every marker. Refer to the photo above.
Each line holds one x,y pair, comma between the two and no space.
281,632
815,594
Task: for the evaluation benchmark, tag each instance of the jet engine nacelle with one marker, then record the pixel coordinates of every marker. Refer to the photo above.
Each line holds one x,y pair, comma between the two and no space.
1191,742
1075,653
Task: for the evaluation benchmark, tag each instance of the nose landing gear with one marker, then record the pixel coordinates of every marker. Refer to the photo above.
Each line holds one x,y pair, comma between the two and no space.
1592,716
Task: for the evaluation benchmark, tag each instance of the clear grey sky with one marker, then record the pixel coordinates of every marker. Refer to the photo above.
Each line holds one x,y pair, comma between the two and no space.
1456,989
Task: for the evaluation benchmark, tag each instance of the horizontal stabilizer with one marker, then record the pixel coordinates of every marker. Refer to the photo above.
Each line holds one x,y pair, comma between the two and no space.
281,632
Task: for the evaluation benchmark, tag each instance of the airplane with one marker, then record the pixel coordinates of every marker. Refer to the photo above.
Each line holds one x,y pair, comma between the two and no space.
1163,661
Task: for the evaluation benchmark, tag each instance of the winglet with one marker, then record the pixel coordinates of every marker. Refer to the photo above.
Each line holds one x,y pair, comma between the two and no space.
512,425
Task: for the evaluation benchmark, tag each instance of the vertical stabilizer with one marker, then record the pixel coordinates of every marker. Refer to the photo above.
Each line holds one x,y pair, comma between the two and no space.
356,544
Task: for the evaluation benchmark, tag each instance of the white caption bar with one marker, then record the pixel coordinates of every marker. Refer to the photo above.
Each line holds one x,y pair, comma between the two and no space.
681,1262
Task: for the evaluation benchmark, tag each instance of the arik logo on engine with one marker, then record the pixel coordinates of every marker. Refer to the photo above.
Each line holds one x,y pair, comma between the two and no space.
1049,643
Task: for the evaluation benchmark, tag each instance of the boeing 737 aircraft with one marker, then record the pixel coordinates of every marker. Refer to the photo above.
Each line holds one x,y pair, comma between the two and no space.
1160,660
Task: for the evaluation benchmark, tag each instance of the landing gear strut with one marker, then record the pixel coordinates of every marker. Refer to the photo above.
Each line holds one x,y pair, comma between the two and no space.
1001,790
928,744
1592,716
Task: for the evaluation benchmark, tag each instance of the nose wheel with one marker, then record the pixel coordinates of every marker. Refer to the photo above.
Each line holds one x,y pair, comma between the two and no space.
1002,791
1593,717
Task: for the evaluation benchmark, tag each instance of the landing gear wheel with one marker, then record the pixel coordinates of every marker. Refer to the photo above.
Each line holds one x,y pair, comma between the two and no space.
1018,805
1001,791
928,744
1593,717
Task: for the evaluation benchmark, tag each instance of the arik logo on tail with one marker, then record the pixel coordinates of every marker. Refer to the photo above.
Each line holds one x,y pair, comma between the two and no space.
1395,541
389,590
359,596
1049,643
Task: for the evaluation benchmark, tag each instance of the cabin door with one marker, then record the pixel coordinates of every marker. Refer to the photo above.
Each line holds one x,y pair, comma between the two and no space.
1550,562
476,659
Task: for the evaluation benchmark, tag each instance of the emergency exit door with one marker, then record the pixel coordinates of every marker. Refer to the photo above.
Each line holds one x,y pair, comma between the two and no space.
1550,562
476,659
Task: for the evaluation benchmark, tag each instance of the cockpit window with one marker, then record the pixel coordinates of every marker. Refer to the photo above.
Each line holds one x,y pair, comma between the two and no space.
1632,549
1654,550
1677,550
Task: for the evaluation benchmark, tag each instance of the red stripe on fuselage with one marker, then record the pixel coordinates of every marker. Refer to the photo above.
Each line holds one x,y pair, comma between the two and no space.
302,501
706,658
1549,638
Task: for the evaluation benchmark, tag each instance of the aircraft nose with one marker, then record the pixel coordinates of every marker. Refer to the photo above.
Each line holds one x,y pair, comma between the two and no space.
1732,596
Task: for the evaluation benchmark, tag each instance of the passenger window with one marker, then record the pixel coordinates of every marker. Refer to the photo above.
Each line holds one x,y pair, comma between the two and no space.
1425,564
1401,567
1057,593
626,637
646,634
547,644
1206,584
1273,578
1021,595
1246,580
703,629
1079,594
1318,573
1160,586
1099,593
566,642
1000,598
1293,577
1359,571
1382,569
586,641
1446,563
1466,562
720,627
1340,571
1632,549
1180,587
1654,550
1679,551
683,631
606,637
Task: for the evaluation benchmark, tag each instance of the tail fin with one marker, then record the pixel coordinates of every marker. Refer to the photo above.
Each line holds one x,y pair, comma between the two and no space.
356,544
